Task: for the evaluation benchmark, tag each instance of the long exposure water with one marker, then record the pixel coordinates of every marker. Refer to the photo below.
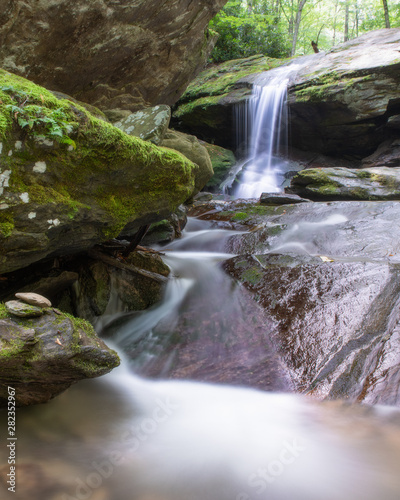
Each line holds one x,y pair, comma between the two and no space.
129,437
262,132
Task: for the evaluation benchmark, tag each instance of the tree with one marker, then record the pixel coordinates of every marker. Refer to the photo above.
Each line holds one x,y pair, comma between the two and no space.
386,11
300,6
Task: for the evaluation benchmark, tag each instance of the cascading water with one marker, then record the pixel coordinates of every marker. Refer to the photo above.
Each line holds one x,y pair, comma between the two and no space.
262,134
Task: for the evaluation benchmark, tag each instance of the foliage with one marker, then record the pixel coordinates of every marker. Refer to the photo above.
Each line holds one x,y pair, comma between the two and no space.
36,119
248,27
243,34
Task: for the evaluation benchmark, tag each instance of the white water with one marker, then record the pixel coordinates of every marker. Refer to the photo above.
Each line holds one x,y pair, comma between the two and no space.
263,126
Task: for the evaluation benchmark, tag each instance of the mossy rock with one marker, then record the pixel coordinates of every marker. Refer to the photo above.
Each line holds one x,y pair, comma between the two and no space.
69,180
222,161
41,357
379,183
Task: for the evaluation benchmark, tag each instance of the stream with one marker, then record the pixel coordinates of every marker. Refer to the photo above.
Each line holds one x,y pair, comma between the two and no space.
202,406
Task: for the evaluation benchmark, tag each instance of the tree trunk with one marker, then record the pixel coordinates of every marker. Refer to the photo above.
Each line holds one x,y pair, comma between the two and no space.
346,22
334,22
385,8
297,24
357,17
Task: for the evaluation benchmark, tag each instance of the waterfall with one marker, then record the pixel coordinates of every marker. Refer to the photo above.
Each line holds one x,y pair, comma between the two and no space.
262,134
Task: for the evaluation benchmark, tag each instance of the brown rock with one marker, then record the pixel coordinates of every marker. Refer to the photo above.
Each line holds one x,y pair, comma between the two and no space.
34,299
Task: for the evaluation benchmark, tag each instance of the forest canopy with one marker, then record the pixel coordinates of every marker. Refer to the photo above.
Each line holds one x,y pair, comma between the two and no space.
282,28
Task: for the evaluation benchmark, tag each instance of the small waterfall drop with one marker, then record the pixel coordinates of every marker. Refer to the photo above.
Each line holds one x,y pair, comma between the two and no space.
262,134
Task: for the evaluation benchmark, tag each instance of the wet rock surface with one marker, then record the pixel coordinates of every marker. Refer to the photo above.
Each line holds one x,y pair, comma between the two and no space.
326,276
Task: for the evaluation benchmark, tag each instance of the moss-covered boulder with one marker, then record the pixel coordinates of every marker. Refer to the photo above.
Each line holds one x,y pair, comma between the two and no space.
69,180
379,183
206,107
345,102
190,147
41,357
222,161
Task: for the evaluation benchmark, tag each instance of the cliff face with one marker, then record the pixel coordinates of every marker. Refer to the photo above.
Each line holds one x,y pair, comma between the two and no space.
115,54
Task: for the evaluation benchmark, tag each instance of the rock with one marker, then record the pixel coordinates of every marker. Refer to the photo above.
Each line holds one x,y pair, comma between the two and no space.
166,230
222,161
387,155
194,150
60,196
149,124
34,299
280,199
107,285
331,319
203,196
327,277
340,101
41,357
22,309
380,183
126,55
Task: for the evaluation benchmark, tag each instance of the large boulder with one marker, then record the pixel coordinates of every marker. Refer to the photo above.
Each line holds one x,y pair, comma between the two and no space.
42,356
190,147
69,180
118,54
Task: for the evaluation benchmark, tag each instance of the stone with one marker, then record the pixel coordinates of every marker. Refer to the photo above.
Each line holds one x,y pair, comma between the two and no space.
83,189
194,150
149,124
43,356
222,161
281,199
22,309
126,55
34,299
376,183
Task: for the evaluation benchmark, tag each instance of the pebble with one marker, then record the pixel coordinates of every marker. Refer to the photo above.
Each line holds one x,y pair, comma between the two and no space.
34,299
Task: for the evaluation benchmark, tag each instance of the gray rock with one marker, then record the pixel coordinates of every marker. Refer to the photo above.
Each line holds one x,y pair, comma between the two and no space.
126,55
22,309
34,299
280,199
149,124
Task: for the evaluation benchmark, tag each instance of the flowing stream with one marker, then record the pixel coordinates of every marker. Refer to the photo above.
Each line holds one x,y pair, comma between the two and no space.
127,437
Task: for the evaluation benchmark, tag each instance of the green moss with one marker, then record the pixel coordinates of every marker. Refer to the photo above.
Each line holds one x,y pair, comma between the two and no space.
317,89
252,276
3,311
363,174
6,224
